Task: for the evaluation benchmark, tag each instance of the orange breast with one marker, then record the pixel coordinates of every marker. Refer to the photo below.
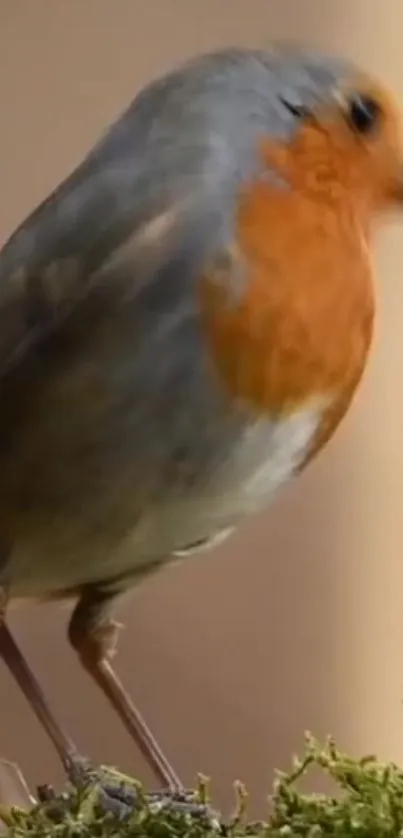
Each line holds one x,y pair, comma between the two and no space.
300,326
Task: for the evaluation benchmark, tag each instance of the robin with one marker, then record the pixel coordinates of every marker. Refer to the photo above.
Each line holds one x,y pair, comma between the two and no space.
184,322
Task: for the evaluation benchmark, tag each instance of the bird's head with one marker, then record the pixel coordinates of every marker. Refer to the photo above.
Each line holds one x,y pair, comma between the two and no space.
347,139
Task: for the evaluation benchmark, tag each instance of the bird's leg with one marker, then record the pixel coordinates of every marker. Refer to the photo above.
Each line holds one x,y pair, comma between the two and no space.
93,634
13,658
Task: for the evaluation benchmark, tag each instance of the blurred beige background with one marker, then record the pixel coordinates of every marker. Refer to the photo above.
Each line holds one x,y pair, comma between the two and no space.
298,622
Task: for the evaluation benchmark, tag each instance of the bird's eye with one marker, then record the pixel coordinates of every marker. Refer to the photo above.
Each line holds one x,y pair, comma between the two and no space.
363,113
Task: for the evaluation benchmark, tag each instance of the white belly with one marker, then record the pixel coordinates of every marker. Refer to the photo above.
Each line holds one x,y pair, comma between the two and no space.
266,456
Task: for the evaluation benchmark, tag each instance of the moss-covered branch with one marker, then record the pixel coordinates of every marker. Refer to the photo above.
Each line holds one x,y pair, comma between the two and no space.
368,804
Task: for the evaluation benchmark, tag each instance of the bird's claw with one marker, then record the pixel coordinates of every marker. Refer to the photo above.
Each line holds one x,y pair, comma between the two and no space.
79,769
122,801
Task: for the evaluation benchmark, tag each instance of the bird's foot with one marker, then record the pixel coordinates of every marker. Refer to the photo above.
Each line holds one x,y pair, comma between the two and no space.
79,769
121,796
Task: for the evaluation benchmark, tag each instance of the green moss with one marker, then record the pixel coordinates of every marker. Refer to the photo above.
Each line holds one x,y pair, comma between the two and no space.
368,803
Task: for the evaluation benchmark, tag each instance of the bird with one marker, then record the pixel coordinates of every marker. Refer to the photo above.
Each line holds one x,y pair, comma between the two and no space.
184,323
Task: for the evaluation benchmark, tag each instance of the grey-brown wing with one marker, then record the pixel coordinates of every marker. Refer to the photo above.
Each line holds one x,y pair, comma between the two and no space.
64,256
101,354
